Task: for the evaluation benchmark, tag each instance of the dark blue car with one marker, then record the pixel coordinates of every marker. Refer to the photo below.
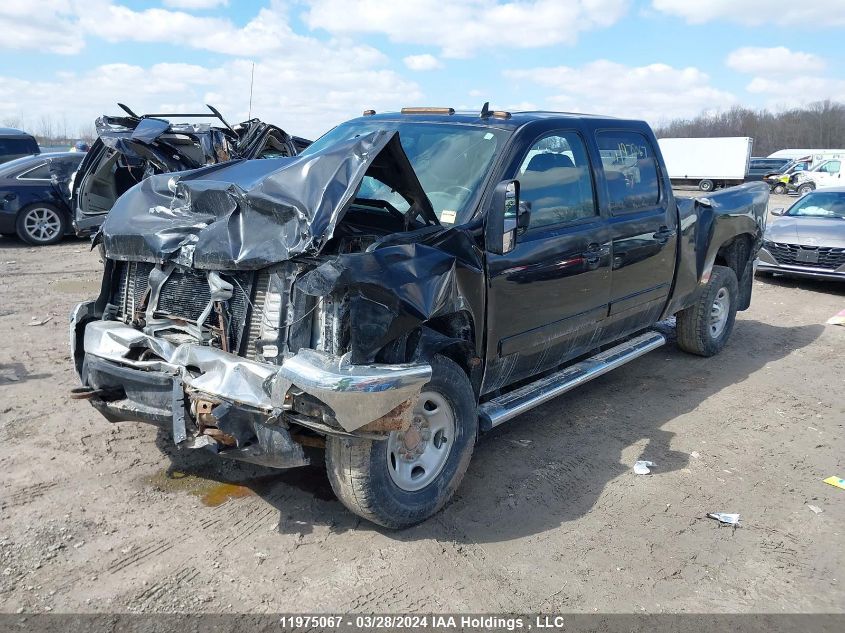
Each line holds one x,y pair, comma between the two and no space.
34,194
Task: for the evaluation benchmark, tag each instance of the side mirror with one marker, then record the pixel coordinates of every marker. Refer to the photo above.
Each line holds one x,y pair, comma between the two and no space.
777,211
504,217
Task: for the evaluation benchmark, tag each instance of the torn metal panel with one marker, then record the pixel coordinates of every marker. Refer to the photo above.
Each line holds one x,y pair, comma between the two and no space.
246,216
395,288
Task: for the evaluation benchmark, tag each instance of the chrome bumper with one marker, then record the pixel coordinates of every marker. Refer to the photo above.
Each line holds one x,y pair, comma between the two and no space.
358,394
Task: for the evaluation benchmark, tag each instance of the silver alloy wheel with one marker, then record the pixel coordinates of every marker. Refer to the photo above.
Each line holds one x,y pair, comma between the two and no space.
719,312
42,224
415,457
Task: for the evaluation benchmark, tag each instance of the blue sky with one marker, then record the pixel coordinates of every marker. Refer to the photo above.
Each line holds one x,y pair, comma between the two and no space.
319,62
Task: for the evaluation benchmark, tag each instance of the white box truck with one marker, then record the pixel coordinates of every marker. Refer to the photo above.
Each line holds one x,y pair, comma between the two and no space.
707,163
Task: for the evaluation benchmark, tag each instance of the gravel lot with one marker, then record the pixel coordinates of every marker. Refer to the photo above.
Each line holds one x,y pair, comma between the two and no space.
99,517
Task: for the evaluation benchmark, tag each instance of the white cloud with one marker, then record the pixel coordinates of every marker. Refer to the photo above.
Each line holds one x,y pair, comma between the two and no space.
656,92
778,61
797,90
422,62
195,4
460,28
304,96
49,26
302,84
782,12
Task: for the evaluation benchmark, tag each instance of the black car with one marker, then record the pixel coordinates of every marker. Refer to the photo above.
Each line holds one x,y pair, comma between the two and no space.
760,167
130,148
34,197
16,144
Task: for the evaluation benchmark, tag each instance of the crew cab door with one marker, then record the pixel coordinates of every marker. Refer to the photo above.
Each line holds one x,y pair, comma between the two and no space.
548,296
643,230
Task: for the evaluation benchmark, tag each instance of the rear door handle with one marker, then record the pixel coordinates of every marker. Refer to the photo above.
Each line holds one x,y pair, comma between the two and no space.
663,234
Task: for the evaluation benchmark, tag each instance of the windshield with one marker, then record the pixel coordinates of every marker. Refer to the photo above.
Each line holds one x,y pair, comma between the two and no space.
794,165
820,204
450,161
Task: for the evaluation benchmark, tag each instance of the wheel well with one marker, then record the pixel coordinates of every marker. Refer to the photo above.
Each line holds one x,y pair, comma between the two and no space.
453,336
736,255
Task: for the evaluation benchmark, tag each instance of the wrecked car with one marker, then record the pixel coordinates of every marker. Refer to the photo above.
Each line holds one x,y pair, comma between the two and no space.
404,283
132,147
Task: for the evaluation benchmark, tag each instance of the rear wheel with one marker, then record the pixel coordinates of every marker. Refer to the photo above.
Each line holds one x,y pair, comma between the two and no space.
704,327
706,185
405,479
41,224
803,190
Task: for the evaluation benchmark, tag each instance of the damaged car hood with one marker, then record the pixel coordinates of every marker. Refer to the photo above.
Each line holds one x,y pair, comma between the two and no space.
250,214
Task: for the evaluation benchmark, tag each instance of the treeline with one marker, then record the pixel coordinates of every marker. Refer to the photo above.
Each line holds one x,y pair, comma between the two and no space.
51,130
818,125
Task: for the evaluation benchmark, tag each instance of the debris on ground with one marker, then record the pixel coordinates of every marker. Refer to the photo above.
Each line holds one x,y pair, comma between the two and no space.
35,321
837,319
523,443
814,509
643,467
835,481
725,518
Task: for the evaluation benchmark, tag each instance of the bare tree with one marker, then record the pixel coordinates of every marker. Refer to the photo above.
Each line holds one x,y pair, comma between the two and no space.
817,126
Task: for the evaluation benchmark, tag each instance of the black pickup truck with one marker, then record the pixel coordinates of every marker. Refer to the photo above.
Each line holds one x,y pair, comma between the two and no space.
406,282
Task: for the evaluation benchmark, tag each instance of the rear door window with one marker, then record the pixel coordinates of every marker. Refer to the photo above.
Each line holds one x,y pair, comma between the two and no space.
41,172
630,168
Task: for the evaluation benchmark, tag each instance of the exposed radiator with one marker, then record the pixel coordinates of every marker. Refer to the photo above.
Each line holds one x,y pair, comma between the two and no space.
184,295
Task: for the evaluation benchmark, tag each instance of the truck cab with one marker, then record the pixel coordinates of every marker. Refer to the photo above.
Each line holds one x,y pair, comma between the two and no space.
408,281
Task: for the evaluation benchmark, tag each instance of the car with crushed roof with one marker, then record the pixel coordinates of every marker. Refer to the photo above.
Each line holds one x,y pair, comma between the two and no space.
132,147
408,281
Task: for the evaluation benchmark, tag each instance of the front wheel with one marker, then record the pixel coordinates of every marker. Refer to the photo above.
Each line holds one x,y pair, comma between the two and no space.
405,479
704,327
779,189
803,190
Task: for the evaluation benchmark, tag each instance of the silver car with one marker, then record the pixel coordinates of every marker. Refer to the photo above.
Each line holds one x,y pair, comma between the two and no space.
808,240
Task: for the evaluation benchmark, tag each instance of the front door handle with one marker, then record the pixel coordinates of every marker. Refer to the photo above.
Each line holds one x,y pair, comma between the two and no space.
594,253
663,234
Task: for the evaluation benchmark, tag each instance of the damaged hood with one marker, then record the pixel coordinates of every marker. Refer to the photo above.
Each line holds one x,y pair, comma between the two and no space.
248,215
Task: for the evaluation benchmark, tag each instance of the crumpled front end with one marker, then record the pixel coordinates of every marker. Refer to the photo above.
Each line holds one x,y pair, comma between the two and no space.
248,385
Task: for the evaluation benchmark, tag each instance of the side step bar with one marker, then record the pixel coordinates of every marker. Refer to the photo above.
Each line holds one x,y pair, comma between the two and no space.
509,405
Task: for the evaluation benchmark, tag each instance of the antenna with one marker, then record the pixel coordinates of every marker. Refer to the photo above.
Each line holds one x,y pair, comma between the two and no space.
251,80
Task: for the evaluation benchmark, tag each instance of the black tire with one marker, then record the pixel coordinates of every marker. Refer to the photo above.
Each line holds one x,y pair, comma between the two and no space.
29,232
803,190
358,468
695,324
706,185
779,189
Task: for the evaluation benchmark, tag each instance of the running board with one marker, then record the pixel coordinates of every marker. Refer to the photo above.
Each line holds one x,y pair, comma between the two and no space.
509,405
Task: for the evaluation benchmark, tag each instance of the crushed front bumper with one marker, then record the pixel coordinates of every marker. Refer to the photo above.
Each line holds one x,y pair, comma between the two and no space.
135,376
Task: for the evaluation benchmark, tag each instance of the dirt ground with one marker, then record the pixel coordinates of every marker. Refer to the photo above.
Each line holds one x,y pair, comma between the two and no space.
103,517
